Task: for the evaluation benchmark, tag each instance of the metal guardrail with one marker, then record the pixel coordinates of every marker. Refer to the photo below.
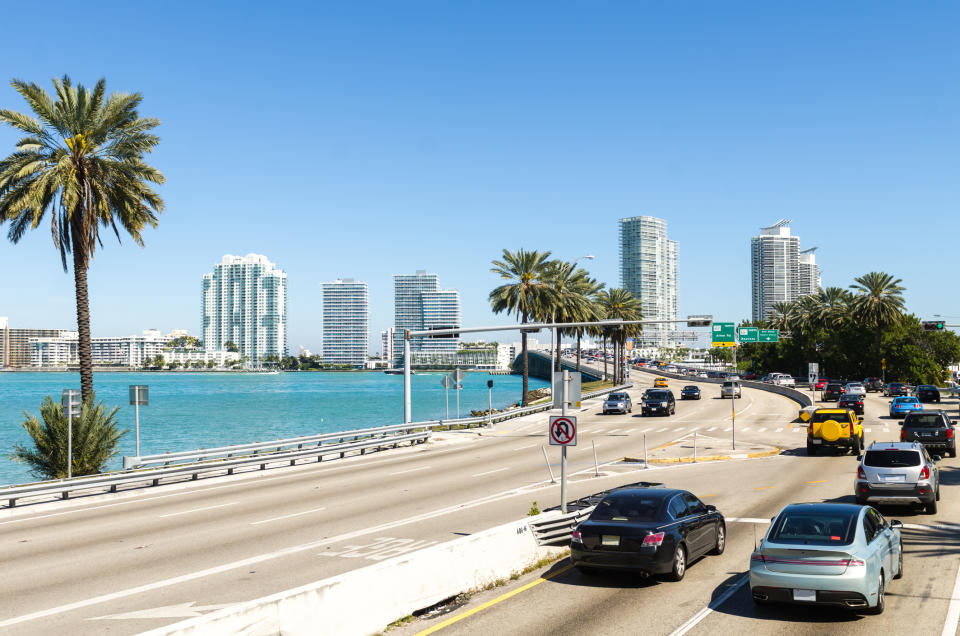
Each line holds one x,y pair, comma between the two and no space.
556,530
112,481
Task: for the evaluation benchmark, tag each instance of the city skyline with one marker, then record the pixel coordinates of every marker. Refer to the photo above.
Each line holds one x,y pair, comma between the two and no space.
411,142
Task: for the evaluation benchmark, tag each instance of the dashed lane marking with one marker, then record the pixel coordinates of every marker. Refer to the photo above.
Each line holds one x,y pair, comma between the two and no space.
525,446
778,430
712,428
490,472
747,520
412,470
662,429
186,512
296,514
706,611
763,488
760,430
817,481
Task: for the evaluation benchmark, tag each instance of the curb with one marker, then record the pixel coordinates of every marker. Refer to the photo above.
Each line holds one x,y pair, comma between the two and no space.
705,458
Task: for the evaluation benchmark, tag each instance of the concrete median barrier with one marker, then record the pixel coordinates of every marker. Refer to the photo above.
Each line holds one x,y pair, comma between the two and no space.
366,600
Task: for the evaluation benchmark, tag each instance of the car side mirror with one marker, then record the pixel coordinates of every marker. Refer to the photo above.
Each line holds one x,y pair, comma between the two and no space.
937,458
711,508
897,524
860,457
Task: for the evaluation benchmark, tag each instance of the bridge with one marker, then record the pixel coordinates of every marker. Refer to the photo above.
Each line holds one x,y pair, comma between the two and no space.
540,367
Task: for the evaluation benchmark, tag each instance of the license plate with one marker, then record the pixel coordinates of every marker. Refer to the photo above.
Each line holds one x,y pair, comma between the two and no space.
609,539
809,596
894,477
817,441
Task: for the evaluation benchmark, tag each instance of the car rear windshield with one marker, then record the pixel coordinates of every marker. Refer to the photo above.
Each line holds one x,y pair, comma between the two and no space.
851,398
809,527
629,507
656,395
834,387
820,418
925,420
729,384
891,458
905,400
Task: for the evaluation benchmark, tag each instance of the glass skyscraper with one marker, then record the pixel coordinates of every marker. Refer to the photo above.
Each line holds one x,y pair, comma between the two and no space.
648,270
346,316
420,304
244,301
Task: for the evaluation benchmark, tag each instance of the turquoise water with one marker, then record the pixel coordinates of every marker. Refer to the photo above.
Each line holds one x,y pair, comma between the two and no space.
195,410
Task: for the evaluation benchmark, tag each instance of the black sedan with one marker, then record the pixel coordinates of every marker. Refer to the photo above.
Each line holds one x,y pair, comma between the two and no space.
928,393
649,531
690,392
851,401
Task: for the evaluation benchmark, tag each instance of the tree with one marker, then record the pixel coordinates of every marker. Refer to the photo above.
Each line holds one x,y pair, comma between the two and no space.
620,304
95,440
159,361
878,303
82,160
567,301
525,295
231,347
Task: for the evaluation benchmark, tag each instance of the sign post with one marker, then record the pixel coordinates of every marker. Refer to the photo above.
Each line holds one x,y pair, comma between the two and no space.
457,376
489,403
139,394
563,432
70,399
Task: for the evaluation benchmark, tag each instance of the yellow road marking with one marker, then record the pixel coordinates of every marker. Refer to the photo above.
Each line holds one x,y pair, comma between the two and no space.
763,487
818,481
713,494
502,597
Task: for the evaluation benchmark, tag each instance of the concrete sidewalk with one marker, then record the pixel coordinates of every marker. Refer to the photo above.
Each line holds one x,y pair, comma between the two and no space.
703,448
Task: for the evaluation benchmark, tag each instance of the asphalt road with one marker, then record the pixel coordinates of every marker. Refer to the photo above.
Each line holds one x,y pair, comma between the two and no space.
133,561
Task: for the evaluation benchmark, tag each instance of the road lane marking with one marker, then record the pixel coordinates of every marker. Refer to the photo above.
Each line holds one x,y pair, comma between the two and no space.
661,430
727,429
492,602
761,429
868,430
745,428
706,611
763,488
412,470
778,430
186,512
747,519
953,612
818,481
490,472
613,430
712,428
522,447
296,514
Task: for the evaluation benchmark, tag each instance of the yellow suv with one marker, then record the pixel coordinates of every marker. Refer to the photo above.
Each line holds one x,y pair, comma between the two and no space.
839,428
660,383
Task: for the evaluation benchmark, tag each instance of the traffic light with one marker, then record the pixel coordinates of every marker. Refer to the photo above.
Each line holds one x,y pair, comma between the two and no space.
932,325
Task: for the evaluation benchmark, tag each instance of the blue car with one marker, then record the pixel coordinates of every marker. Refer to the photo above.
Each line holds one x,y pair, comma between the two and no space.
903,405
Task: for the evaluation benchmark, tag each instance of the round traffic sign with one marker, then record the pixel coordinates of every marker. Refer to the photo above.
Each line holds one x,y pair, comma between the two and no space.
563,430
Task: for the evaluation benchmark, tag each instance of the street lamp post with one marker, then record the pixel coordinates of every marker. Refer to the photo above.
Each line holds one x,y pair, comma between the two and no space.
70,398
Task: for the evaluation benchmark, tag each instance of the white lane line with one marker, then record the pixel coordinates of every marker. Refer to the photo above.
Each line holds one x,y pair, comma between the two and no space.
661,430
412,470
747,520
712,428
868,430
490,472
745,429
778,430
678,430
296,514
613,430
186,512
762,429
953,612
706,611
727,429
522,447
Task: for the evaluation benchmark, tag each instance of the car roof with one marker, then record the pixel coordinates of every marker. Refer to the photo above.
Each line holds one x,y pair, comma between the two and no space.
895,445
651,491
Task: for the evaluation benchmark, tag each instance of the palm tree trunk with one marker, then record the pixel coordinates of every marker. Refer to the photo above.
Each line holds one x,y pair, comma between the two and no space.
526,362
83,314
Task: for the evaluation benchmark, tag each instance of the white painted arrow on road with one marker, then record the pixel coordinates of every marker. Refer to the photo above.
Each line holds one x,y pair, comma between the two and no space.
183,610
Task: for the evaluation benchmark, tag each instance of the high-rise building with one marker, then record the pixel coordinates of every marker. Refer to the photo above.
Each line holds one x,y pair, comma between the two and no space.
420,304
244,301
648,270
386,345
775,268
809,272
346,315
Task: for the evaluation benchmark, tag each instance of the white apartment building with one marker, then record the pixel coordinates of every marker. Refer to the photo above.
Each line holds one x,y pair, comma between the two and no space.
220,357
386,345
648,270
127,351
244,301
420,304
346,317
809,272
440,310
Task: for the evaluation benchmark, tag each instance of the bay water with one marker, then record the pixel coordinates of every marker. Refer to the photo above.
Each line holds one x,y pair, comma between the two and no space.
204,410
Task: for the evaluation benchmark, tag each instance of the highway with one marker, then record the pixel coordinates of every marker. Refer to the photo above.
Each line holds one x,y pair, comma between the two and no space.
138,560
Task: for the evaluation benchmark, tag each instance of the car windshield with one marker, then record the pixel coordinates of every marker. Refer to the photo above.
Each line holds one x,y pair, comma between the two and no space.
891,458
690,389
630,507
923,419
656,395
618,396
808,527
820,418
925,387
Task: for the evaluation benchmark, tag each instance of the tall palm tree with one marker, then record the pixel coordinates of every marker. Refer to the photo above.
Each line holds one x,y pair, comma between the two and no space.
588,288
618,303
833,307
568,303
82,161
525,295
877,303
781,318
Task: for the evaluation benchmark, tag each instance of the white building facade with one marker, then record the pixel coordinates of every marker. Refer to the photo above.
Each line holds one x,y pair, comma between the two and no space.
648,270
346,317
386,345
244,301
420,304
809,272
780,271
126,351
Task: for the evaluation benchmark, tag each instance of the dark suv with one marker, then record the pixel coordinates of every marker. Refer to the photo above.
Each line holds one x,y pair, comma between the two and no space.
851,401
873,384
928,393
896,389
832,392
658,401
933,429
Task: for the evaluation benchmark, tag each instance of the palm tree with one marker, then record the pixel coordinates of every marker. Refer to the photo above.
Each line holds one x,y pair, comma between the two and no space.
833,307
81,160
525,295
95,440
588,288
781,319
618,303
877,303
568,304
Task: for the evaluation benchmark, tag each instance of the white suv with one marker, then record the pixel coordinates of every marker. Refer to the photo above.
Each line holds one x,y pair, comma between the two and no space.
730,389
855,388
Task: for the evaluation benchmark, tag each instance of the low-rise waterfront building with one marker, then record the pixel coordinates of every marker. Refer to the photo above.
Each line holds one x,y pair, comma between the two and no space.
219,357
15,349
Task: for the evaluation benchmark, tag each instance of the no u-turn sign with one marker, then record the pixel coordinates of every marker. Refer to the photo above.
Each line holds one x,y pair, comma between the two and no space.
563,430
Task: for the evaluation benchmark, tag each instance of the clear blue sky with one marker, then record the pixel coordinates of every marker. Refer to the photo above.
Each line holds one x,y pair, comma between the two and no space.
367,139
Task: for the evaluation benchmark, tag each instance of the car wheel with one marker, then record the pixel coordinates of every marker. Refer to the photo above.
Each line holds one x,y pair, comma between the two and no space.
932,507
855,447
679,564
899,574
721,540
878,608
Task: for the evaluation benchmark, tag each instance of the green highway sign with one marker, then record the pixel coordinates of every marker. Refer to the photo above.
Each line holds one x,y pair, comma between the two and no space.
748,334
769,335
723,334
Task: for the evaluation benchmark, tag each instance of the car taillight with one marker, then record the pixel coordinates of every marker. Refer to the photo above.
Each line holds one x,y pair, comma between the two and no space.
925,473
903,435
855,563
860,473
653,539
949,433
576,536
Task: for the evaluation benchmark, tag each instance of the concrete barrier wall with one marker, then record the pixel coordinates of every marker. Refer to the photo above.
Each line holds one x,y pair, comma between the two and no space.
366,600
801,398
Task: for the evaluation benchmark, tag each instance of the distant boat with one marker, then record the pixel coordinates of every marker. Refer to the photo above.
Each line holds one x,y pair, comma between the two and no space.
398,372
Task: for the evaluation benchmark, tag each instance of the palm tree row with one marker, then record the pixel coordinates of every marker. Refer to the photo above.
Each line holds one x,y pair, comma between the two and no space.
538,289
